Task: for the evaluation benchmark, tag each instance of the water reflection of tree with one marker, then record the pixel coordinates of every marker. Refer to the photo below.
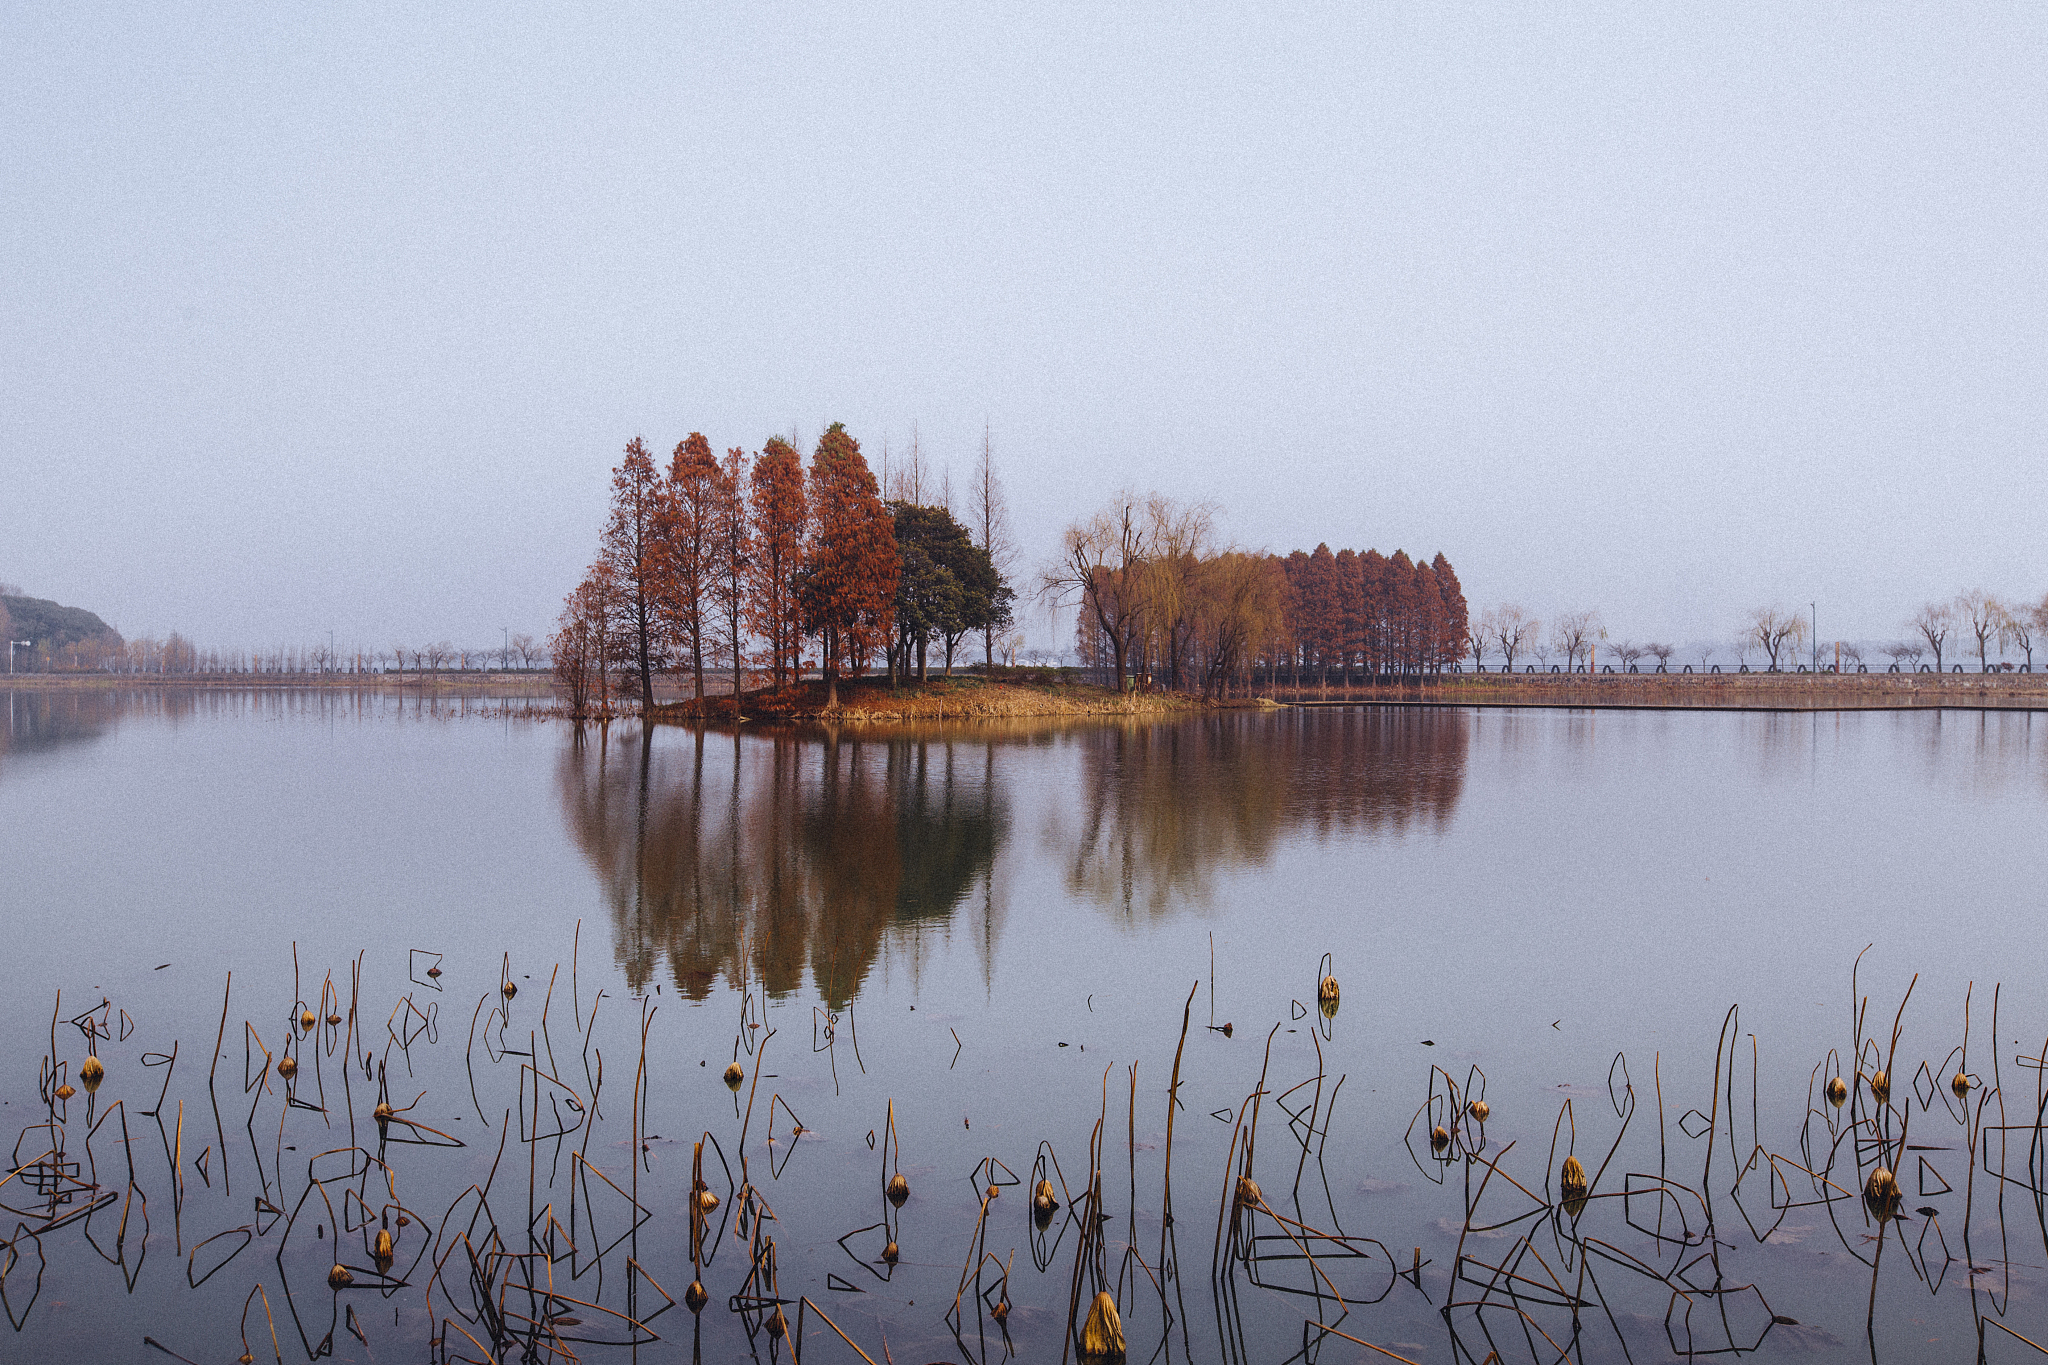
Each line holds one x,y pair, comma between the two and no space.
771,854
1164,806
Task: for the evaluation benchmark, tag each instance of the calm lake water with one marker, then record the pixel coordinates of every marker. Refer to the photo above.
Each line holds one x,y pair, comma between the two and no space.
992,933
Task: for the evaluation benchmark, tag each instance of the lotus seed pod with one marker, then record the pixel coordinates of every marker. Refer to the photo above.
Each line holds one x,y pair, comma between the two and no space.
511,989
433,971
1478,1110
245,1359
287,1066
1043,1197
1440,1137
65,1092
1880,1087
91,1073
1961,1085
899,1189
383,1112
1249,1195
778,1326
1103,1333
890,1253
1882,1192
706,1200
334,1019
1838,1092
1571,1182
1001,1312
1327,990
340,1277
383,1248
307,1019
733,1076
696,1296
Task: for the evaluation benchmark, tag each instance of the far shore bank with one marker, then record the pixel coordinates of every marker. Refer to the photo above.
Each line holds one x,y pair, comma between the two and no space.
873,701
1696,691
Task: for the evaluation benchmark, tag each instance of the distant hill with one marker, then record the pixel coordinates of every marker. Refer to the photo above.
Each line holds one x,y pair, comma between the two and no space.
52,626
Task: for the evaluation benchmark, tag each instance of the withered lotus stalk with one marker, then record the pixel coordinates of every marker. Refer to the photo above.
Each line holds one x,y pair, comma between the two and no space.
1881,1191
1571,1182
1103,1333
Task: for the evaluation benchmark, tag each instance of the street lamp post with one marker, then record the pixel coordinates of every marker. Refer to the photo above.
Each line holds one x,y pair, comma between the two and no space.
1814,609
505,654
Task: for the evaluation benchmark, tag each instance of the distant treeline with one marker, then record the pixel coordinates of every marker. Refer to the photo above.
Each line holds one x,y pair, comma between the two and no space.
754,560
1157,599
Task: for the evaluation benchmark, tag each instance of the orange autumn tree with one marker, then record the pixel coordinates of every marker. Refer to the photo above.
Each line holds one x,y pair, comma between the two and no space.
693,478
631,551
732,549
847,587
779,511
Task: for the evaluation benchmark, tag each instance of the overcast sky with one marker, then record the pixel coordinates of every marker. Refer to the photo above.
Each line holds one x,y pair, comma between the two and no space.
337,316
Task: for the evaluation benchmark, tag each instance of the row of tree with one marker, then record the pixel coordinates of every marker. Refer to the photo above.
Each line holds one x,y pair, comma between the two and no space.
739,560
1157,598
1976,622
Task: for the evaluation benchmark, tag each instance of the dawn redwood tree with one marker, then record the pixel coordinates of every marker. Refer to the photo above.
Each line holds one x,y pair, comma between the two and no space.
1349,620
990,515
732,550
689,549
1374,632
847,587
631,550
1456,623
779,509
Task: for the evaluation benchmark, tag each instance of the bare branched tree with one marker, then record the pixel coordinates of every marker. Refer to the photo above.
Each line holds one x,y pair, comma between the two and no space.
1575,633
1774,630
1982,615
1099,570
1934,622
1511,630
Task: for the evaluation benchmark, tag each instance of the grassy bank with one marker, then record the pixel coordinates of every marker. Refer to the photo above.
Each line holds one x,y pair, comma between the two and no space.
869,700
